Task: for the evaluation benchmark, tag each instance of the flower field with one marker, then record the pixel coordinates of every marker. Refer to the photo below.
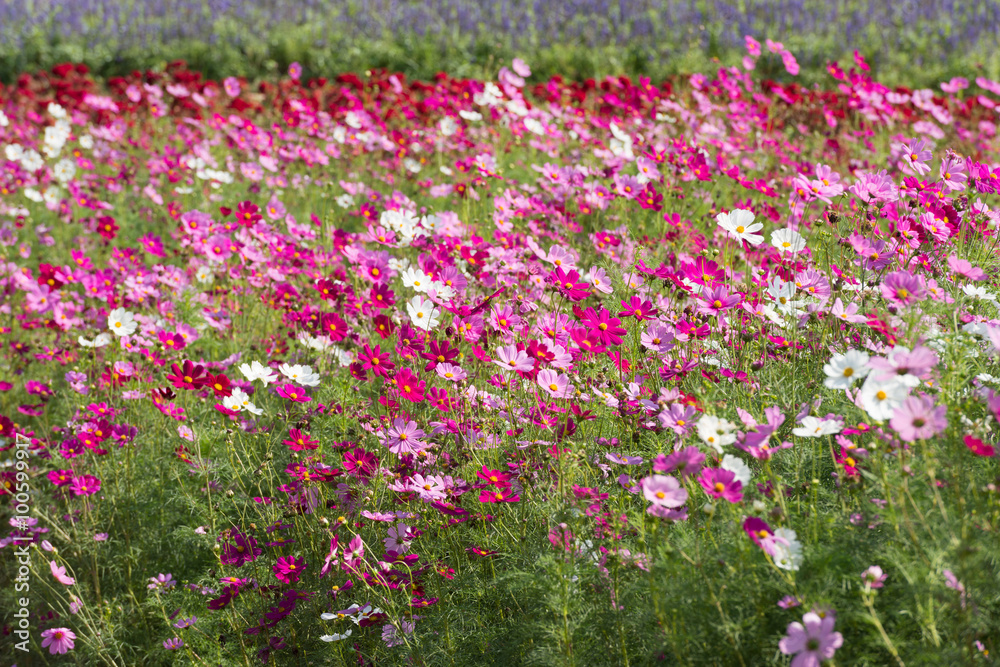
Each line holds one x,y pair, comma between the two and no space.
364,370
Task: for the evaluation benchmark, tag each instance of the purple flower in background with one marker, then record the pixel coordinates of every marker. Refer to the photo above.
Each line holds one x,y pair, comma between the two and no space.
812,641
918,418
232,86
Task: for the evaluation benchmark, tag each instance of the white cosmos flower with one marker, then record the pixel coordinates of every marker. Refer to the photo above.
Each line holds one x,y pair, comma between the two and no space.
534,126
31,160
64,170
448,126
416,279
736,466
783,294
716,432
423,313
100,340
740,225
258,371
786,550
813,427
238,401
788,240
303,375
13,152
121,322
318,343
843,369
881,397
335,637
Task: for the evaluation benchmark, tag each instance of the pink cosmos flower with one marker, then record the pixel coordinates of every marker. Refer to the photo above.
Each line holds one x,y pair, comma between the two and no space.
450,372
404,437
964,268
978,447
375,360
721,483
232,86
812,641
85,485
292,393
556,384
511,359
902,288
848,313
664,491
60,575
873,577
288,569
410,386
915,156
918,418
686,461
242,549
58,640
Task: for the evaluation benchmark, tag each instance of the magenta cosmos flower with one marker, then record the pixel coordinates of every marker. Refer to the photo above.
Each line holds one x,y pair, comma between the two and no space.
293,393
664,490
721,483
686,461
918,418
58,640
902,288
85,485
410,386
812,641
242,549
288,569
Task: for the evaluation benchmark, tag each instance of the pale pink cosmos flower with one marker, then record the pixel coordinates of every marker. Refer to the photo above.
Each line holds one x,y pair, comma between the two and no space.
404,437
450,372
918,418
812,641
59,572
873,577
511,359
556,384
664,490
915,155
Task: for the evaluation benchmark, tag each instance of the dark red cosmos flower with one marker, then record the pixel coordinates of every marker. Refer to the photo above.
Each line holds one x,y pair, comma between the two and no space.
439,353
248,213
106,227
220,384
188,376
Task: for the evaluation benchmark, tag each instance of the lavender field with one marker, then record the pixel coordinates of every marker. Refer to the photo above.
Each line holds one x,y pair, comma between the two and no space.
488,360
911,42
